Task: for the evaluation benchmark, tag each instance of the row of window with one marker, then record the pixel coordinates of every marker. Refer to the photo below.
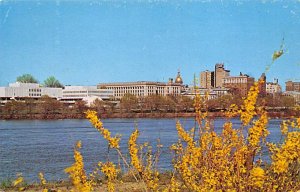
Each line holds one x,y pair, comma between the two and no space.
122,94
139,88
35,94
130,91
35,90
235,81
117,94
74,95
135,87
101,91
74,91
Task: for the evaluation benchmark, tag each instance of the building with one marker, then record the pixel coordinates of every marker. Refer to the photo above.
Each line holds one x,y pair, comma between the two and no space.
262,85
145,88
207,79
142,88
20,91
178,79
219,74
292,86
294,94
204,92
273,87
221,91
238,84
73,93
213,79
68,94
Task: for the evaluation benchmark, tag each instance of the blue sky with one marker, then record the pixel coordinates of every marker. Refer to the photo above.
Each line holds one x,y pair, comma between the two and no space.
88,42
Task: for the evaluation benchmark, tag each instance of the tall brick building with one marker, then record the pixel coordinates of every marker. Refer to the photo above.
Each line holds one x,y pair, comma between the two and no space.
239,85
220,73
292,86
207,79
262,86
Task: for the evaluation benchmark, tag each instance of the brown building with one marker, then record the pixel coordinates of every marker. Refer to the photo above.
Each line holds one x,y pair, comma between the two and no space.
262,86
238,84
207,79
220,73
292,86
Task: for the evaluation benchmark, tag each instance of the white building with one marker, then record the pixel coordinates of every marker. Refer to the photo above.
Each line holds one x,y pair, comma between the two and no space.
69,94
145,88
28,90
203,92
273,87
88,93
294,94
142,88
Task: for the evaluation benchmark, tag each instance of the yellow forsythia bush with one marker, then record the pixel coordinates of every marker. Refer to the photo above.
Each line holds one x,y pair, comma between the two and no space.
207,161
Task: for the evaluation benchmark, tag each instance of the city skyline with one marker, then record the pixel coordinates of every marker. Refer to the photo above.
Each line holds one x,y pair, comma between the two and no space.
86,43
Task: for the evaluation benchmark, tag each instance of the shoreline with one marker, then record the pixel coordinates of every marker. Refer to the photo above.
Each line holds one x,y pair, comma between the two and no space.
153,115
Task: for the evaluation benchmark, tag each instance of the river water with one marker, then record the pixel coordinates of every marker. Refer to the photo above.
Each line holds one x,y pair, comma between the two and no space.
33,146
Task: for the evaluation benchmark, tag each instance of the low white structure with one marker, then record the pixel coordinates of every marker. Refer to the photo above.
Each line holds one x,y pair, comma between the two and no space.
69,94
273,87
28,90
203,92
73,93
294,94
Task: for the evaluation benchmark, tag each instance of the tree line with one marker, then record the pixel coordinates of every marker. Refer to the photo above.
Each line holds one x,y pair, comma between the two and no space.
42,108
156,103
49,108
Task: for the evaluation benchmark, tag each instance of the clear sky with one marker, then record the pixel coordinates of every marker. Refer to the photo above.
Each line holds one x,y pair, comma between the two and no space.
88,42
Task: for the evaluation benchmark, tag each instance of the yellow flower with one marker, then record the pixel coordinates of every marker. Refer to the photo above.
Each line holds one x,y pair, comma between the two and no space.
284,128
112,141
287,153
258,131
77,173
277,54
232,111
188,138
248,107
42,178
257,177
110,171
133,151
298,122
19,180
174,185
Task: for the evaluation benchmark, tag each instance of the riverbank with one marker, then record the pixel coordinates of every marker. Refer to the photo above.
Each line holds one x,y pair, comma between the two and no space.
66,186
124,182
218,114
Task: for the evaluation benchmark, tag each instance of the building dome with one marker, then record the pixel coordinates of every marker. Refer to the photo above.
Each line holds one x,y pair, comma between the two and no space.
178,78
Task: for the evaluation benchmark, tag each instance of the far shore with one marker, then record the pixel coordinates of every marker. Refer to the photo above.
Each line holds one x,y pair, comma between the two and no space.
155,115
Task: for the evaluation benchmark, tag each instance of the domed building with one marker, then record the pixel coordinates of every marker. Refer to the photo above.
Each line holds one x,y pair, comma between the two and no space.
179,78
